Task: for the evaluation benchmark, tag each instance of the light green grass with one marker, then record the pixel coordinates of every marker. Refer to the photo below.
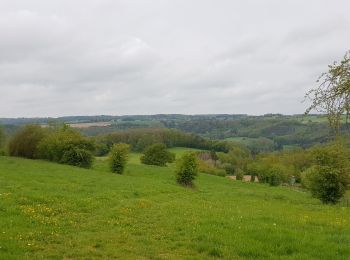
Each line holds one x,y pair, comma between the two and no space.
56,211
240,139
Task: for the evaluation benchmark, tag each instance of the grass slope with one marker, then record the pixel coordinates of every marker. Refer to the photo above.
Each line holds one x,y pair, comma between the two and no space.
56,211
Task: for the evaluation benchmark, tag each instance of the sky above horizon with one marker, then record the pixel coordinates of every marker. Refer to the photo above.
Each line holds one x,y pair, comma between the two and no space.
122,57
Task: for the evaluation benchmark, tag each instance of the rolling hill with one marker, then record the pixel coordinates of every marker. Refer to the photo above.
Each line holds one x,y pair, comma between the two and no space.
54,211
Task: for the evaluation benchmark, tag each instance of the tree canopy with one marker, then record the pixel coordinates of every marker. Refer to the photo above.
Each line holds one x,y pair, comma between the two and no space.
332,96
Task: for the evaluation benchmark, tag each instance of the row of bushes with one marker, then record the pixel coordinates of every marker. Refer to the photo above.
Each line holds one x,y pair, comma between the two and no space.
62,145
323,169
186,168
67,146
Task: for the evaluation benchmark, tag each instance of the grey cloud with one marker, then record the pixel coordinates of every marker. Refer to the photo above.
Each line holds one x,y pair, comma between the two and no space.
161,56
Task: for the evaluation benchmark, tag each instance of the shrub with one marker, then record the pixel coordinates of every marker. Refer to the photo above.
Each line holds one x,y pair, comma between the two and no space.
118,157
67,146
187,169
25,142
269,172
157,154
2,141
208,166
77,157
253,171
325,184
229,168
101,149
277,174
239,174
306,176
2,136
329,177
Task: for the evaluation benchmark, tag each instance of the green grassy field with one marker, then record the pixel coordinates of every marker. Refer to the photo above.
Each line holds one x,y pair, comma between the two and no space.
56,211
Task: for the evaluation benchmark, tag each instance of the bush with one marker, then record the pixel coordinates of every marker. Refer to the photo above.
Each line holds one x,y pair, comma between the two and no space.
329,177
306,176
269,172
101,149
77,157
67,146
2,137
118,157
253,170
208,166
229,168
25,142
325,184
239,174
157,154
187,169
276,174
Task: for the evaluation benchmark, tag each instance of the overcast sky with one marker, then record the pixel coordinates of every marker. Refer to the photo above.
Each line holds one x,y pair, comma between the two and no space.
81,57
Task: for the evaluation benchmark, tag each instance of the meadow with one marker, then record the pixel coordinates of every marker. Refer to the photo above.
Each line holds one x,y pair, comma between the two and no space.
49,210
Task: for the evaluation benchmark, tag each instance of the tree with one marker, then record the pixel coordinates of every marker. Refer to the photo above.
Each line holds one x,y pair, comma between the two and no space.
157,154
214,156
329,177
118,156
237,156
2,141
67,146
332,96
239,174
187,169
2,136
25,142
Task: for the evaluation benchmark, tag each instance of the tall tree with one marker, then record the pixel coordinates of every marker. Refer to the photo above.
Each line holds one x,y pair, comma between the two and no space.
332,96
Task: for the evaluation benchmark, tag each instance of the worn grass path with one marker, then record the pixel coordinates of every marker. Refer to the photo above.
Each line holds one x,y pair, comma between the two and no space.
56,211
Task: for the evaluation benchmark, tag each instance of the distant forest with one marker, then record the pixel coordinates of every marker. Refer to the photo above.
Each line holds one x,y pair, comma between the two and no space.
259,133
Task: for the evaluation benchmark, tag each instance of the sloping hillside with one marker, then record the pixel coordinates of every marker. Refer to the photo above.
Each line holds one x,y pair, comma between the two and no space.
55,211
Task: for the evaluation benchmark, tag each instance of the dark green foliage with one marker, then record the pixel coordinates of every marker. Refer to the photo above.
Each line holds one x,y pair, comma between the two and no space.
329,177
263,133
2,136
118,157
278,167
229,168
187,169
67,146
157,154
326,184
258,133
2,141
78,157
101,149
25,142
276,175
238,157
253,170
270,172
239,174
139,139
